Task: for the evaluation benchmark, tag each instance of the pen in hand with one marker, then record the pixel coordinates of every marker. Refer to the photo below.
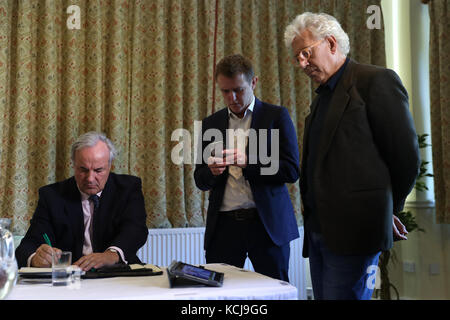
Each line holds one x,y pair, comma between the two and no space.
47,239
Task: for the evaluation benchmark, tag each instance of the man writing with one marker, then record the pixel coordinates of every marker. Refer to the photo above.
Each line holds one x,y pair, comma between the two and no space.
97,215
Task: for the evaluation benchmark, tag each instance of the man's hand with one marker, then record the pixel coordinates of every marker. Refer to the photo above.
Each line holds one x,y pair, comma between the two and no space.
43,256
216,165
235,157
399,228
230,157
97,260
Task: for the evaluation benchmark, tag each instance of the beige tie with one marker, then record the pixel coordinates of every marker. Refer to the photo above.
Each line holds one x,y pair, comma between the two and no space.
234,170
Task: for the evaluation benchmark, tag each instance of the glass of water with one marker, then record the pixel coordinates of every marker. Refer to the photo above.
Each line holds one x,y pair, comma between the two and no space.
61,268
8,264
75,277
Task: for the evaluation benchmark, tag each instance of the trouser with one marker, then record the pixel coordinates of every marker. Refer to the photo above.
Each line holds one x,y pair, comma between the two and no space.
340,277
234,240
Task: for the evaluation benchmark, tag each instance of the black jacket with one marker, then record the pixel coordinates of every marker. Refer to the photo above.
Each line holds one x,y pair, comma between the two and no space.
367,162
120,221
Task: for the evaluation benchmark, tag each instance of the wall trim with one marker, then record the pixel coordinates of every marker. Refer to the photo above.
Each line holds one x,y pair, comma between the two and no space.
428,204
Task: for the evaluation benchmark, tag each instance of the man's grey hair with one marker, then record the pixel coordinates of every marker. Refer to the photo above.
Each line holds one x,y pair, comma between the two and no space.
90,139
321,25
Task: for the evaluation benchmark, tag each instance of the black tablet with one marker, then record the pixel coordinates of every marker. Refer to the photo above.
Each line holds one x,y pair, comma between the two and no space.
197,275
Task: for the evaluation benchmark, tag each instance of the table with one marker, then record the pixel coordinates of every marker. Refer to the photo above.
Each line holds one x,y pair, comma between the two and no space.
238,284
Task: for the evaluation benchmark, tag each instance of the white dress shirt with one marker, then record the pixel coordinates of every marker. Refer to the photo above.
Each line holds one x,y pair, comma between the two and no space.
88,213
88,217
238,194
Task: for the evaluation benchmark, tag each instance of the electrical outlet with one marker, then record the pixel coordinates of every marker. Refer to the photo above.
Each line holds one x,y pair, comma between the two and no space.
434,269
409,266
309,293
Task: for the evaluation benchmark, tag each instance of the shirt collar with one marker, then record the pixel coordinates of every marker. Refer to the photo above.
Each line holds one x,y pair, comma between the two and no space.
332,82
250,108
85,196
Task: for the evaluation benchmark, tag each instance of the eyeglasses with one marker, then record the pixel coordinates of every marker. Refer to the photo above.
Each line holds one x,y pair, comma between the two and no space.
306,52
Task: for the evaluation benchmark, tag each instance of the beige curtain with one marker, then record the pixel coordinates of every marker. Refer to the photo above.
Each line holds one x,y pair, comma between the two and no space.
439,11
139,70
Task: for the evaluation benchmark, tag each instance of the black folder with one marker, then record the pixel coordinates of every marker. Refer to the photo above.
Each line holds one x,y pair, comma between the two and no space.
123,270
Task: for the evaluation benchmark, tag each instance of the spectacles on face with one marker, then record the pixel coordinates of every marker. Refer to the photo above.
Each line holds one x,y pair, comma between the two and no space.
306,52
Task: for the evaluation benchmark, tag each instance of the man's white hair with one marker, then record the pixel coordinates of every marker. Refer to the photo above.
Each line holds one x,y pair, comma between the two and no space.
320,25
90,139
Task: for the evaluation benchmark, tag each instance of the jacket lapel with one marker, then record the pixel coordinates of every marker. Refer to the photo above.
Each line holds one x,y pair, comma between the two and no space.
308,120
105,207
222,125
338,104
256,114
256,124
74,213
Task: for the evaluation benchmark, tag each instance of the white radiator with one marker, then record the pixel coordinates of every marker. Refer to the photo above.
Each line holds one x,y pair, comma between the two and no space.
186,245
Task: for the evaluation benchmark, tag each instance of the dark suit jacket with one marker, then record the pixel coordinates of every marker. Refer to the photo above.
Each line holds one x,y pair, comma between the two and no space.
269,191
120,222
367,163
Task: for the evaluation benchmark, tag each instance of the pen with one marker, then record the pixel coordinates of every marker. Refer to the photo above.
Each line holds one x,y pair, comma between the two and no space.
47,240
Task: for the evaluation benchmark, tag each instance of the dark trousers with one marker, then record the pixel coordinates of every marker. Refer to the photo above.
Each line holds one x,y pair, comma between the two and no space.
234,240
340,277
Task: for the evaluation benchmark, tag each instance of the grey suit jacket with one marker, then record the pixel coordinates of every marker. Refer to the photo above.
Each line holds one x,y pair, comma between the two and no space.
367,163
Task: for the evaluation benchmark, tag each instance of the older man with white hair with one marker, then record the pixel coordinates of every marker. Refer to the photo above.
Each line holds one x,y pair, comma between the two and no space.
360,159
97,215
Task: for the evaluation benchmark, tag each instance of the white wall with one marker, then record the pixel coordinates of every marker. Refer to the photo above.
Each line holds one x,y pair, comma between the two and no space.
423,267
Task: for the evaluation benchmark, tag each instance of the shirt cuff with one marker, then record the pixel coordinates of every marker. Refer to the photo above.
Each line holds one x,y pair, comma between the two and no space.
29,259
122,256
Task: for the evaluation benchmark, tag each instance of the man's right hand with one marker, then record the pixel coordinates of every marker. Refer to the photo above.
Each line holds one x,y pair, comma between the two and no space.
43,256
216,165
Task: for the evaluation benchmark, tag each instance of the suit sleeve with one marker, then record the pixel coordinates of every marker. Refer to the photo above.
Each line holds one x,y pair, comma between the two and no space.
39,224
394,133
133,231
287,161
204,179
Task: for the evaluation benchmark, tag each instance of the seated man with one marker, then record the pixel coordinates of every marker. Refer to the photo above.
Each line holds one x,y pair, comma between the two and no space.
97,215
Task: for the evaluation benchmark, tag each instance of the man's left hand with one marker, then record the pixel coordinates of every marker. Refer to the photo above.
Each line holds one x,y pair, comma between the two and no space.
97,260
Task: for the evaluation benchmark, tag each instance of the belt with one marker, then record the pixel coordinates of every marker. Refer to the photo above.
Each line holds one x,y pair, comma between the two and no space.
241,214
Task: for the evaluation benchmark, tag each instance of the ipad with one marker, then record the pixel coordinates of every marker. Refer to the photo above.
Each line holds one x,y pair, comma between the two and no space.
195,274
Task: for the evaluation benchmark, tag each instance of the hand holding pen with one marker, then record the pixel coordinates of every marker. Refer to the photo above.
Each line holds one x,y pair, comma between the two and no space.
43,255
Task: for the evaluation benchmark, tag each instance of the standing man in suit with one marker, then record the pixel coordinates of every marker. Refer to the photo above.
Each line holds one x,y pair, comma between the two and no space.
359,163
97,215
250,211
